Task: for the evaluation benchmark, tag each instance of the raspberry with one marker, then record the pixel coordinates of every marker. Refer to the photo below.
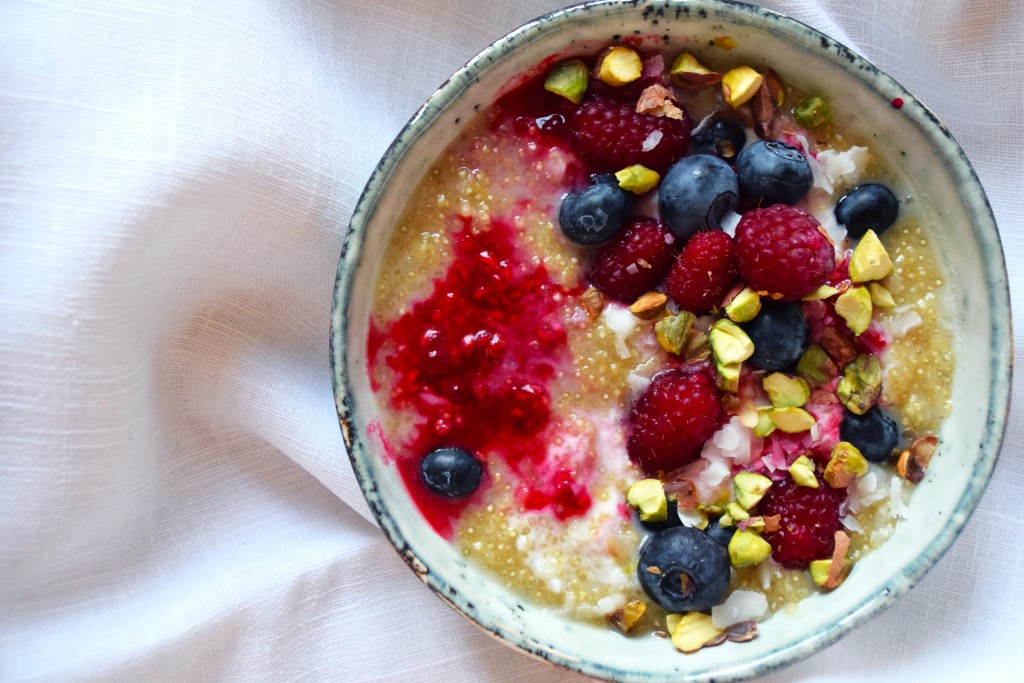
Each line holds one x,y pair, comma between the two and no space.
809,521
610,135
704,272
635,262
672,419
782,250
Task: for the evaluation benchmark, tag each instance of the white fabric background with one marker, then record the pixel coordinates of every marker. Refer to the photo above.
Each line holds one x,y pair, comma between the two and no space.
175,180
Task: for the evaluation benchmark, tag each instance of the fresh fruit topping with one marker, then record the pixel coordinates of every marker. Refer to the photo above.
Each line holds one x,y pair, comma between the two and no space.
634,263
730,346
649,305
809,518
867,207
704,272
637,179
657,100
780,335
912,463
596,214
772,172
802,472
611,135
673,332
451,472
813,113
749,488
721,534
854,306
672,419
844,465
782,250
766,104
720,138
696,193
648,497
743,307
791,420
619,65
687,72
626,617
568,79
861,384
785,391
870,260
739,85
694,631
874,433
747,548
683,569
815,366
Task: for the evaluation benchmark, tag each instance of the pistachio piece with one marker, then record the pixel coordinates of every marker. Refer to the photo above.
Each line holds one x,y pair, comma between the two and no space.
648,497
813,113
730,346
792,420
749,488
672,332
785,391
625,618
815,366
619,65
837,346
743,631
854,305
844,465
744,307
861,384
828,574
725,42
766,104
657,100
737,512
870,260
823,292
593,303
880,296
764,425
694,630
747,548
739,85
912,463
698,348
648,305
687,72
637,179
568,79
802,471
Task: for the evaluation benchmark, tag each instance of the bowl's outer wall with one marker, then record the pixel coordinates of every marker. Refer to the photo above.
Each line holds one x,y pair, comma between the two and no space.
960,221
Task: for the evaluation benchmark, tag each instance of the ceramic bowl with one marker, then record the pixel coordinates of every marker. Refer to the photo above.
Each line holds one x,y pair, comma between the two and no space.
963,231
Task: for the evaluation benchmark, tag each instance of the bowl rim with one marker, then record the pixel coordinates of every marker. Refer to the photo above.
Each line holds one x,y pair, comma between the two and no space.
933,130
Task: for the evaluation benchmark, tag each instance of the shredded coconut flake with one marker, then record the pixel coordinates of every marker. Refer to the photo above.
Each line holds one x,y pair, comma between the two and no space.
652,141
899,508
851,523
903,321
741,605
729,222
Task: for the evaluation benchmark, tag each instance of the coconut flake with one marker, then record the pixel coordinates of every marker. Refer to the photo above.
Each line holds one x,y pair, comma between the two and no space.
819,176
903,321
741,605
610,603
729,222
851,523
651,141
899,508
703,122
844,168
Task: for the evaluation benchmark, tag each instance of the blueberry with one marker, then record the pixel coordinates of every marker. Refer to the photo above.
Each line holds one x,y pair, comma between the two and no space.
874,433
596,214
683,569
451,472
772,172
867,207
671,520
721,138
780,335
721,534
695,193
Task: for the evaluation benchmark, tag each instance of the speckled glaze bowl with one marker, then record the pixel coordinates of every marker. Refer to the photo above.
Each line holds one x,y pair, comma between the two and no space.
963,231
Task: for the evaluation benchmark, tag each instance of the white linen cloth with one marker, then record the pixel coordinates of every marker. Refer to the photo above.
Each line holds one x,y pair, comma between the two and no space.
175,498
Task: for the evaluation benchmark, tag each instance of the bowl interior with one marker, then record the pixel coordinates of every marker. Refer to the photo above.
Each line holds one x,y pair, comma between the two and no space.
953,209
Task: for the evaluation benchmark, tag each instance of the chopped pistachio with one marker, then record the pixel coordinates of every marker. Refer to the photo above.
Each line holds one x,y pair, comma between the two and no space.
737,512
730,346
747,548
568,79
727,376
744,307
671,621
861,384
819,570
625,617
802,471
637,179
648,305
673,331
823,292
725,42
619,65
870,260
648,497
740,84
912,463
845,464
694,630
593,303
880,296
764,425
815,366
854,305
698,348
687,72
813,113
749,488
785,391
792,420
